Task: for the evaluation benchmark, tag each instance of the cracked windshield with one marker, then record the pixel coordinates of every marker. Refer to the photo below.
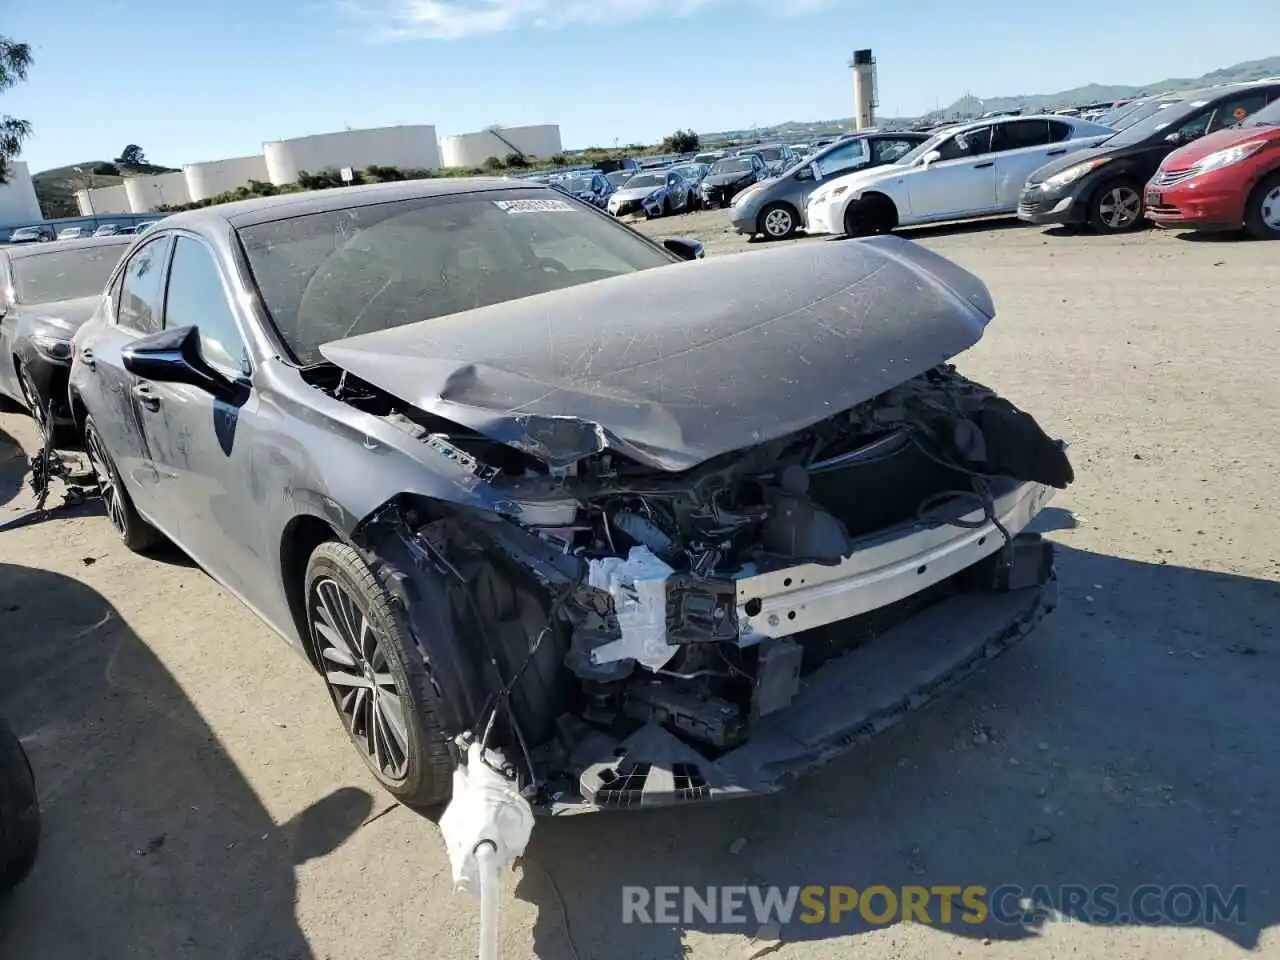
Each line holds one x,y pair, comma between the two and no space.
450,449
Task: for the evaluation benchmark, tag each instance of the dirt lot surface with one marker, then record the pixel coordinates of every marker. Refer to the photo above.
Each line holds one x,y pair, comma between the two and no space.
201,801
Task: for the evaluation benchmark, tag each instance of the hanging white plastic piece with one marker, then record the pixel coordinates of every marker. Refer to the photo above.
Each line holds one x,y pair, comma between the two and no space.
485,827
638,586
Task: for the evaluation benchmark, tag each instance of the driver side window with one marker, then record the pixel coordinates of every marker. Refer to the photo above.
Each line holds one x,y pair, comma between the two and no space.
846,157
196,299
968,143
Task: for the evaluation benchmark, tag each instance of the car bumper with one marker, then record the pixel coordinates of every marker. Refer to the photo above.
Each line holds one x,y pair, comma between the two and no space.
820,218
1044,207
1196,206
719,196
744,221
942,635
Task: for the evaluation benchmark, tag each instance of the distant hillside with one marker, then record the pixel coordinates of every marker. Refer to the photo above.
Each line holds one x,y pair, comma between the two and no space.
974,106
56,188
1094,92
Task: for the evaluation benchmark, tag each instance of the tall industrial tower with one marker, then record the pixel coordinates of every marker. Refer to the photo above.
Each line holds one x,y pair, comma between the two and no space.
866,94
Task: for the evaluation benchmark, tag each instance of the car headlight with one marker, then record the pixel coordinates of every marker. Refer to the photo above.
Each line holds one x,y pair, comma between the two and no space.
55,348
1225,158
1072,174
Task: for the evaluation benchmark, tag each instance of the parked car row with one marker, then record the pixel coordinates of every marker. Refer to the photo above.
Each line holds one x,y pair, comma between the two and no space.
43,233
462,443
1204,159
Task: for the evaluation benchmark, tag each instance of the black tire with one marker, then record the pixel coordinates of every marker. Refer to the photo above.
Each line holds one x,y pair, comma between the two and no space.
1117,206
389,651
31,397
778,221
134,532
871,215
19,811
1264,204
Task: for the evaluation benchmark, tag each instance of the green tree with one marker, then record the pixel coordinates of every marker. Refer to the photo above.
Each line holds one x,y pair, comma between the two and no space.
517,161
493,163
132,156
682,141
15,60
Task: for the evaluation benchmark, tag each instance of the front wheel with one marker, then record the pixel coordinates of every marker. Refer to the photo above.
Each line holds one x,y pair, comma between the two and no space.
778,221
1262,210
376,677
134,532
868,216
35,405
19,811
1116,206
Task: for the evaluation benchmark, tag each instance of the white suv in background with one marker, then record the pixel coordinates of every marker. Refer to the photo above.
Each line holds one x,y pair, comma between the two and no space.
974,170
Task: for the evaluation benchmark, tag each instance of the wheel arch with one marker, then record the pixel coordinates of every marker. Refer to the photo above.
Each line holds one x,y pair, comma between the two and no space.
301,535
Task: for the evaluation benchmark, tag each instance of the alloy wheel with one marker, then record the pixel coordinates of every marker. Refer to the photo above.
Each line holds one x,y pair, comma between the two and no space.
1120,207
778,223
1270,208
359,675
108,487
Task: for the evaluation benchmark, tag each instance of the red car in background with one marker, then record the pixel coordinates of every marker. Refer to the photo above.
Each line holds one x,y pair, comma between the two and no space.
1224,181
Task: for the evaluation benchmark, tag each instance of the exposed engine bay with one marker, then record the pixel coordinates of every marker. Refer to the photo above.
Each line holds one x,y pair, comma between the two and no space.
645,635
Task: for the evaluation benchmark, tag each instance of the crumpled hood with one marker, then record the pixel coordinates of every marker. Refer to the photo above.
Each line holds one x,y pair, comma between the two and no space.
675,365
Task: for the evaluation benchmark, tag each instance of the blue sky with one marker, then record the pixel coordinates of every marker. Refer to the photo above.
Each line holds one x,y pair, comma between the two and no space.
190,81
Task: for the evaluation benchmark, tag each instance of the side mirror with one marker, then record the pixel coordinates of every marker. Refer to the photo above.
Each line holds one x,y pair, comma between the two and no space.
174,356
805,173
930,158
686,248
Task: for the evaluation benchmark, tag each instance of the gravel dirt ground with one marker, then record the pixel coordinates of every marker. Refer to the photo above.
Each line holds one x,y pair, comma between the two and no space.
201,801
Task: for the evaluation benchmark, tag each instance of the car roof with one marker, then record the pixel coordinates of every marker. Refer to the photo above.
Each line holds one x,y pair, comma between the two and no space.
244,213
35,250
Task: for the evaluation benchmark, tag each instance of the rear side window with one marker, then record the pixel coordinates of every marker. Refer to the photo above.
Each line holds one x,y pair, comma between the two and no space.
1017,134
1059,131
142,287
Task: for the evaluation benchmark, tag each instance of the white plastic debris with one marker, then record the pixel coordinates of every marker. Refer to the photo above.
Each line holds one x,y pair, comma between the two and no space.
638,586
486,808
485,827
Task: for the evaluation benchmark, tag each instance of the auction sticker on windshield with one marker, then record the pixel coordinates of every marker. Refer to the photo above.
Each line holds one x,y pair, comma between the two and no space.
534,206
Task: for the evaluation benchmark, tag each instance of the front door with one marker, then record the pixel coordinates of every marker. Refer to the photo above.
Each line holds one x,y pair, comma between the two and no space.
134,310
202,444
962,182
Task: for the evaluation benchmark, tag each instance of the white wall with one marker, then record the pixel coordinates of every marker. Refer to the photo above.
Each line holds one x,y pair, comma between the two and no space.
402,146
18,203
205,180
102,200
473,149
162,189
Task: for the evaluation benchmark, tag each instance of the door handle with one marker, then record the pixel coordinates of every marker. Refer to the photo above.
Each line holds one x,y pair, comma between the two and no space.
983,166
1056,153
86,357
148,399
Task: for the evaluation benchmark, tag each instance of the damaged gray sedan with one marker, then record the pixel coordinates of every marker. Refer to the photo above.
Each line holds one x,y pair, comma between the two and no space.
664,529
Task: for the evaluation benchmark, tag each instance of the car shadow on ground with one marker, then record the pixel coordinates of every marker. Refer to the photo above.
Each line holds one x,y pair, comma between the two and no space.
13,468
1104,750
1214,236
153,844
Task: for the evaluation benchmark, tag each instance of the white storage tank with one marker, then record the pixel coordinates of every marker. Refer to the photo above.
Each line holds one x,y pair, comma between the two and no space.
157,190
409,146
18,203
97,200
205,180
473,149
